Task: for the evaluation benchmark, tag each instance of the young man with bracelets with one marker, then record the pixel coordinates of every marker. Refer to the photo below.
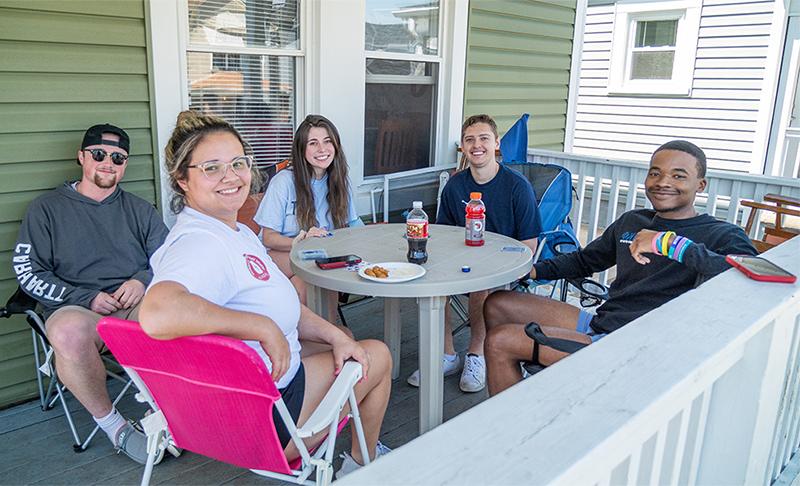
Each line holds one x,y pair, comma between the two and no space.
659,253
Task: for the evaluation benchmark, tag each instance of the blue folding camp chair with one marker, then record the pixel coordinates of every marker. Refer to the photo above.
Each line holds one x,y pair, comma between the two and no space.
552,185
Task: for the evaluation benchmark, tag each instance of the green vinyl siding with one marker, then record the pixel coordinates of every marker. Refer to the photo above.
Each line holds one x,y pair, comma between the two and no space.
518,61
64,66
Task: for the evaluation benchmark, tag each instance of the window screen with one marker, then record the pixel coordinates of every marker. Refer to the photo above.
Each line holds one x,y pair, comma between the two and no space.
237,69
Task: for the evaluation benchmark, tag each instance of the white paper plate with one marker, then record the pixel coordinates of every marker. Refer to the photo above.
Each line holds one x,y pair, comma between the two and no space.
398,272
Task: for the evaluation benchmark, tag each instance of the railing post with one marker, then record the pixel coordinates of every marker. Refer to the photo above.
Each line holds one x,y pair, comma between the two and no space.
786,433
743,411
779,378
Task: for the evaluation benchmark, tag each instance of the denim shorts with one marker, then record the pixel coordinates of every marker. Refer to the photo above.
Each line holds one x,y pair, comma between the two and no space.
584,326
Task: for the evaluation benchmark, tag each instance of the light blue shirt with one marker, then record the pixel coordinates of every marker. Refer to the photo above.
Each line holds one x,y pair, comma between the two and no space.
277,210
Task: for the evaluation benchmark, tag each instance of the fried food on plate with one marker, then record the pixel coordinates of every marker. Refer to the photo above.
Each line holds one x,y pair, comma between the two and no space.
377,272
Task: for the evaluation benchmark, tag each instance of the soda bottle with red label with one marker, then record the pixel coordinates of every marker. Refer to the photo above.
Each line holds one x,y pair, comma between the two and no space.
476,220
417,234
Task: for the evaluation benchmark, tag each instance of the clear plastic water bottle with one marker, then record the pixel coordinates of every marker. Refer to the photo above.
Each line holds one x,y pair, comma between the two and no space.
417,234
476,220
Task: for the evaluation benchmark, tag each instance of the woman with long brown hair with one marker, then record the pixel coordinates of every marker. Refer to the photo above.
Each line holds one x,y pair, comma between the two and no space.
309,199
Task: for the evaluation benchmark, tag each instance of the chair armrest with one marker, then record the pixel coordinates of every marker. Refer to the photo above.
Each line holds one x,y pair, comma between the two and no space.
556,238
328,409
780,199
770,207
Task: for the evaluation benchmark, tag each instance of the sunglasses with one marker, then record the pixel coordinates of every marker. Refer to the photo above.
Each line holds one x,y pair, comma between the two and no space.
216,171
99,155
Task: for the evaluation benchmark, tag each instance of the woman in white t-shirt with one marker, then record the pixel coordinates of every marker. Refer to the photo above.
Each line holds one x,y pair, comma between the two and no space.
213,276
310,199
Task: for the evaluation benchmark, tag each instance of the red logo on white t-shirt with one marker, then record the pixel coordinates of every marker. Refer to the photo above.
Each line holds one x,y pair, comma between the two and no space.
256,267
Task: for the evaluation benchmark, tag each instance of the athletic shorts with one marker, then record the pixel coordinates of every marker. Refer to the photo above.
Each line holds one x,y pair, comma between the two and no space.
293,399
131,314
584,326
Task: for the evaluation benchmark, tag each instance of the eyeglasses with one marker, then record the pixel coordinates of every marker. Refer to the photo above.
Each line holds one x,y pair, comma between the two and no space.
216,171
99,155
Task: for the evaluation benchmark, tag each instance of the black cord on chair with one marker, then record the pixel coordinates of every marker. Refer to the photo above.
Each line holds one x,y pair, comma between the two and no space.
18,303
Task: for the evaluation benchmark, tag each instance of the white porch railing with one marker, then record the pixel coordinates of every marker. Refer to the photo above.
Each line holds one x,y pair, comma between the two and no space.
790,153
409,178
702,390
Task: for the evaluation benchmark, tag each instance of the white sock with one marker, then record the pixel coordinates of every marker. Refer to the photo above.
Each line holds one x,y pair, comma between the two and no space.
111,424
451,357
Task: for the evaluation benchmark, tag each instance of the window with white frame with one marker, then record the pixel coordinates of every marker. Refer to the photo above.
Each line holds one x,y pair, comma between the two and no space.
242,60
653,48
402,84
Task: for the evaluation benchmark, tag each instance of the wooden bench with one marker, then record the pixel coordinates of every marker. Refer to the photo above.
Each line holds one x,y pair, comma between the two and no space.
775,231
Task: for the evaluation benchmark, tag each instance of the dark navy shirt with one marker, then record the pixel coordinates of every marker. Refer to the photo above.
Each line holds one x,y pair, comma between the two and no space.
638,288
510,203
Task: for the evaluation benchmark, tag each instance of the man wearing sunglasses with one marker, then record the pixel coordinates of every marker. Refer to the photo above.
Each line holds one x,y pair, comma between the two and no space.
83,252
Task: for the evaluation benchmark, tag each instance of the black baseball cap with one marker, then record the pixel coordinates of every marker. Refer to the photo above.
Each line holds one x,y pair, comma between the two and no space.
94,136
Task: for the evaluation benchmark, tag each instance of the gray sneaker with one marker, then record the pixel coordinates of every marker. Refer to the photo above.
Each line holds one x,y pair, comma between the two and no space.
133,443
448,368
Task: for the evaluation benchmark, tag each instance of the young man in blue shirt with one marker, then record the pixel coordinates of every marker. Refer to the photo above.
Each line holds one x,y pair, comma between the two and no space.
510,210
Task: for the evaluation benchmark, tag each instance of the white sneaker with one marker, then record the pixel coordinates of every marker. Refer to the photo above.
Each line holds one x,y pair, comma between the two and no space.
449,368
473,378
349,464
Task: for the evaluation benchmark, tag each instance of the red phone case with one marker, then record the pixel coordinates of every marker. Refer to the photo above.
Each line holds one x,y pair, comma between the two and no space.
758,276
331,265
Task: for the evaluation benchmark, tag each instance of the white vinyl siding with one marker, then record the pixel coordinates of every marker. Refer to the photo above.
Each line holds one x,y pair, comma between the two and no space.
721,113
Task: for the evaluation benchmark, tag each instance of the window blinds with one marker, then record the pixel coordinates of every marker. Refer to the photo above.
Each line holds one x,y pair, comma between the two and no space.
237,69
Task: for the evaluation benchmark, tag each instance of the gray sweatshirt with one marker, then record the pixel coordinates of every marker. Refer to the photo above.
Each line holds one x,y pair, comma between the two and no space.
71,247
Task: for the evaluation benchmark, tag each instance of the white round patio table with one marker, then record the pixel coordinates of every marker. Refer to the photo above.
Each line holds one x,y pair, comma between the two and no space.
490,267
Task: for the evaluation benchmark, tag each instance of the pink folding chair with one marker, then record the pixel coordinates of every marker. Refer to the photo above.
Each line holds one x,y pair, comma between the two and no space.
214,396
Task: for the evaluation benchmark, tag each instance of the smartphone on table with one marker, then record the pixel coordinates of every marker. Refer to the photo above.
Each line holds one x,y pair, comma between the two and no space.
337,261
760,269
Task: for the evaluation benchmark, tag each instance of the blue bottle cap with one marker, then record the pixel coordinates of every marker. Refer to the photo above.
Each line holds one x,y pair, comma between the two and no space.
465,269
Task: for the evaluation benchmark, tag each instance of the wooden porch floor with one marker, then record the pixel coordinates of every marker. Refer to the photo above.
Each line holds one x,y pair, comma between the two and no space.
36,446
